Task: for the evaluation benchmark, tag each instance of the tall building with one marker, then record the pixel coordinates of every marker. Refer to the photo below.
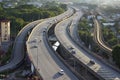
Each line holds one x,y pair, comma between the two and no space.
5,30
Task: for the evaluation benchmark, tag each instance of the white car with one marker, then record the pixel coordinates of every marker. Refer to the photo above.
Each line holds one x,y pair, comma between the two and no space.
61,72
92,61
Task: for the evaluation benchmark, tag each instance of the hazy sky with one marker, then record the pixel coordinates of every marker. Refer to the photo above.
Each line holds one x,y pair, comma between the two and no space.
109,2
103,1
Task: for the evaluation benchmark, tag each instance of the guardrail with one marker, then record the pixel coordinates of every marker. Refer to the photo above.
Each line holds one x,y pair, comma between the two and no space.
50,45
7,67
47,28
68,32
88,51
28,53
97,31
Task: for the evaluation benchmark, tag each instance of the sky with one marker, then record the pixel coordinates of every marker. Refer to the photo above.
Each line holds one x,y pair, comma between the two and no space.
95,1
99,2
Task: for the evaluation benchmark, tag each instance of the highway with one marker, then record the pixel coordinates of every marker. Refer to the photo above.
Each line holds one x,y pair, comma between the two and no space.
42,56
73,27
98,37
98,68
18,48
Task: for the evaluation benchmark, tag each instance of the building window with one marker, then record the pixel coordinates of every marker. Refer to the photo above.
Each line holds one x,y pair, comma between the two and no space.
5,35
6,23
5,38
5,31
5,26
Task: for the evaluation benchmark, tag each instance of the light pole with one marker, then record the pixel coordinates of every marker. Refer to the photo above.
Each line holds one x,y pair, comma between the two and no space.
37,56
37,50
73,52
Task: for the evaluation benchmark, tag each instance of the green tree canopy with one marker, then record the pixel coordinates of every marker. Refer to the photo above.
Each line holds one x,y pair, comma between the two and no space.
1,7
116,55
22,14
112,41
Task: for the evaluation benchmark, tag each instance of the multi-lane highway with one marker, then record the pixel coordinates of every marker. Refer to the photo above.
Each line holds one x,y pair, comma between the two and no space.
18,48
42,56
98,37
99,68
73,27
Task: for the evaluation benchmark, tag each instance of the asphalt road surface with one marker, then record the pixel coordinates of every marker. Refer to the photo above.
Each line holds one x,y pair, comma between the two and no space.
43,57
99,68
18,49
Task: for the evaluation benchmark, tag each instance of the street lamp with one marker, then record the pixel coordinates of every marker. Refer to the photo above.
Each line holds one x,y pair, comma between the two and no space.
73,52
36,40
37,56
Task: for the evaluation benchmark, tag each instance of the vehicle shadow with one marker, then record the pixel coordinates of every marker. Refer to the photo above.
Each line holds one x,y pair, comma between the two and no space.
57,75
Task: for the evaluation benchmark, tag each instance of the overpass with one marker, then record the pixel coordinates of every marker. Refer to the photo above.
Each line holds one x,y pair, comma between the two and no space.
99,69
42,56
18,52
72,31
98,37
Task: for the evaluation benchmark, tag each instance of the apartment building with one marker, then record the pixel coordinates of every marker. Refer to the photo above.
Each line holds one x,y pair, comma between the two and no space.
4,30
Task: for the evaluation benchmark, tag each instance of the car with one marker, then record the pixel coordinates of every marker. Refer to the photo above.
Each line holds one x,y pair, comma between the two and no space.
35,40
73,52
61,72
92,61
71,48
34,46
45,29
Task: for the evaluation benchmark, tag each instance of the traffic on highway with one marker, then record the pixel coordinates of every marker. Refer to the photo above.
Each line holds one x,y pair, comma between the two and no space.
99,68
52,48
43,58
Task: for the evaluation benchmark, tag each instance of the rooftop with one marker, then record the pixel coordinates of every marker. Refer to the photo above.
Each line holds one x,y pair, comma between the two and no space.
4,20
108,24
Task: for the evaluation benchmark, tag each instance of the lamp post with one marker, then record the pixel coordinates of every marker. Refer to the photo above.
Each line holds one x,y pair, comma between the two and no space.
36,40
73,52
37,56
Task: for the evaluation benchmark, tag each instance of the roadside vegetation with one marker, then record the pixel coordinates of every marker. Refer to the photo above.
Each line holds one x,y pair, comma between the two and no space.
109,37
5,58
23,14
85,31
116,55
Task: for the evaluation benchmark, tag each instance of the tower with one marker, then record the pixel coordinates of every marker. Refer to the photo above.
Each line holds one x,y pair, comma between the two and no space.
5,30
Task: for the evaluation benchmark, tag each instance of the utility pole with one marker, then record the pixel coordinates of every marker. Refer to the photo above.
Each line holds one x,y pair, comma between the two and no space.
37,51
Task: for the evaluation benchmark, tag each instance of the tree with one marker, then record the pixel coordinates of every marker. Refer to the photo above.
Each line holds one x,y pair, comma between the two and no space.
63,6
22,14
85,36
112,41
1,7
103,20
116,55
19,23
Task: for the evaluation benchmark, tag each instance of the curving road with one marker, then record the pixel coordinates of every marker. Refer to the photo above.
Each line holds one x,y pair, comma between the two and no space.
98,68
18,48
98,38
73,27
43,57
